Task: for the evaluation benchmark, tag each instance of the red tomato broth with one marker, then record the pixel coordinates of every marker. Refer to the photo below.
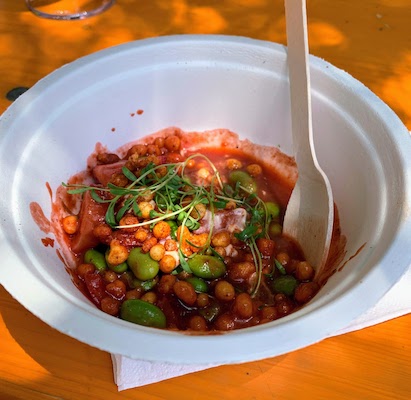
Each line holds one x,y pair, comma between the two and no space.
266,304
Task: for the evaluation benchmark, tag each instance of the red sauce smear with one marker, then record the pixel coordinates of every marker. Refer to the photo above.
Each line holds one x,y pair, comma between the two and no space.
48,242
39,218
354,255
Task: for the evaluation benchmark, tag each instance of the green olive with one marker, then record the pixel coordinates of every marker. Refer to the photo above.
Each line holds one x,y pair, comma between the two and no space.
142,265
285,284
96,258
200,286
245,180
143,313
206,267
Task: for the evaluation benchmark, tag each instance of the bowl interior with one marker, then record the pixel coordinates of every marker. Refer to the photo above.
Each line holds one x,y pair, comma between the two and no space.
200,83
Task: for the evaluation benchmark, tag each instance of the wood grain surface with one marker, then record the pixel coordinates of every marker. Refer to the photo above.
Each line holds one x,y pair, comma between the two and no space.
370,39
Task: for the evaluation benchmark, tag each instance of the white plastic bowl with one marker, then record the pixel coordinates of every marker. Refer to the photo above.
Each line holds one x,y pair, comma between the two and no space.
199,83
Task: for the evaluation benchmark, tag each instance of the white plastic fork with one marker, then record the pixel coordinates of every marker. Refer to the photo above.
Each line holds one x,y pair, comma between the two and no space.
310,212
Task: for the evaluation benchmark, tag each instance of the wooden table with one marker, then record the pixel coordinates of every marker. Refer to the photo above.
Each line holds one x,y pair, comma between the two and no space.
371,39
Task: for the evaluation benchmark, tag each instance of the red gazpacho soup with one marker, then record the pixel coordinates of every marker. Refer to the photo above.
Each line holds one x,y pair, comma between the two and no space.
183,231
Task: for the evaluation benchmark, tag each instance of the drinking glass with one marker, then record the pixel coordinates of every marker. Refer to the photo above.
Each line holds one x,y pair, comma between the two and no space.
68,9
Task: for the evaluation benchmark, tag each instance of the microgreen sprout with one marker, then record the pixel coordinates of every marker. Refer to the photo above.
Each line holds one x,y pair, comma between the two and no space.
179,200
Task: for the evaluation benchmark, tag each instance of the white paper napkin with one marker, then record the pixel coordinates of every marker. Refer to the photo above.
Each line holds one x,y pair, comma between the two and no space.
130,373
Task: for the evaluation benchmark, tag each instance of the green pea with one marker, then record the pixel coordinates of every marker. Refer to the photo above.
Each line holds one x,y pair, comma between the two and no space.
199,284
274,229
245,180
206,267
285,284
211,312
142,265
273,209
174,227
143,313
96,258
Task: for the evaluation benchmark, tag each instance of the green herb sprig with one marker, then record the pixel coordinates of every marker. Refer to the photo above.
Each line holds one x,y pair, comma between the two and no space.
176,198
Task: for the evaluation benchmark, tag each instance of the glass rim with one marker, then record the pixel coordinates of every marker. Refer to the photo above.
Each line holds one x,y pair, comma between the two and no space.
67,15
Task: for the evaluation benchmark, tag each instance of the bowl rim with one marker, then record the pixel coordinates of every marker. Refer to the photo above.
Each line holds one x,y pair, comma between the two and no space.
228,348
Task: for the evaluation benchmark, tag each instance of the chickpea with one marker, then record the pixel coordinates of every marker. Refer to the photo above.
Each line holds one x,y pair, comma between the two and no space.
119,179
161,230
174,158
284,307
161,172
102,232
147,195
224,291
70,224
166,284
184,235
225,322
159,142
170,245
203,300
221,239
172,143
197,323
198,241
185,292
231,205
305,292
221,251
254,169
157,252
138,149
203,173
269,313
191,163
133,294
117,289
241,271
145,209
243,306
128,219
109,276
234,240
266,246
149,297
141,234
148,244
107,158
109,305
83,269
304,271
279,297
117,253
153,149
167,263
233,163
199,211
283,258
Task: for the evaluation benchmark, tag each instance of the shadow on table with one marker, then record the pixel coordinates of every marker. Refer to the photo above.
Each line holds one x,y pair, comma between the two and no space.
89,370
